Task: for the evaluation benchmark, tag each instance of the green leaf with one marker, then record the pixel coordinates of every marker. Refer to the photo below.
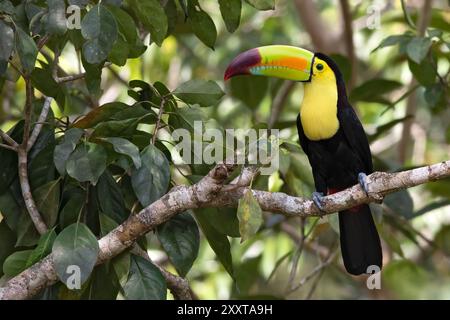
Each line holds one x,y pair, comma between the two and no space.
202,24
100,114
432,206
385,127
442,239
99,28
433,94
417,49
16,263
126,24
231,13
249,214
47,201
249,89
123,146
43,248
6,41
393,40
204,93
425,73
27,50
106,224
373,90
110,198
185,117
145,281
152,16
262,4
401,203
151,180
7,241
180,239
65,148
87,162
405,279
72,209
224,220
56,20
93,77
75,246
218,242
119,52
7,7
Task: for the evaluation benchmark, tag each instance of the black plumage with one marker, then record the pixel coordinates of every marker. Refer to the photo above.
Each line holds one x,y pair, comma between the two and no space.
336,163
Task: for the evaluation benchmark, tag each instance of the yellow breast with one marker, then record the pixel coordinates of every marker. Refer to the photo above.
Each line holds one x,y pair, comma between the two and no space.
318,112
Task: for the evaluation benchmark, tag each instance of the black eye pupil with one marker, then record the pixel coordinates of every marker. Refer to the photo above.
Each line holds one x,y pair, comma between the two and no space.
319,67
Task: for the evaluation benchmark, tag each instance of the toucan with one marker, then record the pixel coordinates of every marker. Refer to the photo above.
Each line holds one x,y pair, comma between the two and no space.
332,137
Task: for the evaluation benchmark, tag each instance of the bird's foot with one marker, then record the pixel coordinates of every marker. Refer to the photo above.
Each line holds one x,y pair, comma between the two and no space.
362,179
317,198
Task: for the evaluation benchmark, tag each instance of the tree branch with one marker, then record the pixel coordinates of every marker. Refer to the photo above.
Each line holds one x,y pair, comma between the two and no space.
22,152
8,139
210,192
348,38
40,123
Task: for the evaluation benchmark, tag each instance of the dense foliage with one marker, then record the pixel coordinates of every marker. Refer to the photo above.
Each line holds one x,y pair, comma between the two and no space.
125,74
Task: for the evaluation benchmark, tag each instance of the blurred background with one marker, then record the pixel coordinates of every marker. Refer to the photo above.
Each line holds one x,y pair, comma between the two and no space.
395,59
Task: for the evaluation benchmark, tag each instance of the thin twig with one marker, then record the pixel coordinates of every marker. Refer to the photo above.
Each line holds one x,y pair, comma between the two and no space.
40,123
348,38
279,101
8,139
158,121
8,147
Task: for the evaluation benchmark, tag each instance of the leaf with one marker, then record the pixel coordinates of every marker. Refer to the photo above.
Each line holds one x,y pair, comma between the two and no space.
75,246
99,28
106,224
393,40
123,146
401,203
231,13
110,198
202,24
218,242
432,206
433,94
56,19
373,90
204,93
424,72
417,49
47,201
7,7
224,220
145,281
16,263
126,24
180,239
27,50
43,248
65,148
151,180
6,41
249,89
262,4
7,241
387,126
100,114
442,239
152,16
87,162
72,209
405,279
249,214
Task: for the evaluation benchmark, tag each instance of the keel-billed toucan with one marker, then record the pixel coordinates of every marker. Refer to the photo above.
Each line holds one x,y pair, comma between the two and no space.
330,134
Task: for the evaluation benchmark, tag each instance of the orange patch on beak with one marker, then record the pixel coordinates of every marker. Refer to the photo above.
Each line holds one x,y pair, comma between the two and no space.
291,62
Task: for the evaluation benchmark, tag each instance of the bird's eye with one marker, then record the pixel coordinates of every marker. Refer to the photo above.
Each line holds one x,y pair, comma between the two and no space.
319,67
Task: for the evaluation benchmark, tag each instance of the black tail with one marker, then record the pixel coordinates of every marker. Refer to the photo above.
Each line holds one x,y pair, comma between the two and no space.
360,243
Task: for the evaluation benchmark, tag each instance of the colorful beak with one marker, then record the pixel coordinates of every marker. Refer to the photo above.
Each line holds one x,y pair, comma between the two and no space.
285,62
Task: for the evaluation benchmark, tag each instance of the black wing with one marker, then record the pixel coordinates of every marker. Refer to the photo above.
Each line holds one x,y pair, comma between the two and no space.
355,135
302,137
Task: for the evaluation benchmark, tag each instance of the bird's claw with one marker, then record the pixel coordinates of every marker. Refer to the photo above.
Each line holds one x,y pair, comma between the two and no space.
317,198
362,179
